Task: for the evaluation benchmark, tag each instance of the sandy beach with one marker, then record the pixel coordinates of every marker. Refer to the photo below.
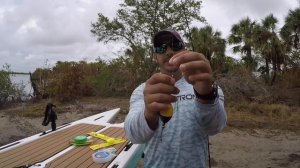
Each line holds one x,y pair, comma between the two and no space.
247,148
255,148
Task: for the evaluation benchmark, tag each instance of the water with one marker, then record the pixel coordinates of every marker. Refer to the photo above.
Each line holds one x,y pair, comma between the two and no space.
23,81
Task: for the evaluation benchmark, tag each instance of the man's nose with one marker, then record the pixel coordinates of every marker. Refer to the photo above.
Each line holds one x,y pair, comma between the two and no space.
169,52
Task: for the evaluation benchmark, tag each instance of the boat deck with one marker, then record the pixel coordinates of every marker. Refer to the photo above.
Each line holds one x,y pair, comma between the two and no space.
82,156
41,149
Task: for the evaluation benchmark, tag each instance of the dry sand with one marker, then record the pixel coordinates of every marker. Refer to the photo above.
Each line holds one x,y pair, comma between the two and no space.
255,149
246,148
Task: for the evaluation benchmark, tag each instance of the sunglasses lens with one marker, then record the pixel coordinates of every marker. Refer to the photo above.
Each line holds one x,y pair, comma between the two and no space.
177,46
161,49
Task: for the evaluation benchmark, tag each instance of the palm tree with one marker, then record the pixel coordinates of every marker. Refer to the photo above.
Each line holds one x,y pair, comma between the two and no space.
290,33
208,42
265,38
269,46
242,36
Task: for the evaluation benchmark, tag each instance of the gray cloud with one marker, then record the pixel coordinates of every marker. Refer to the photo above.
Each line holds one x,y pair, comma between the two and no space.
223,14
35,31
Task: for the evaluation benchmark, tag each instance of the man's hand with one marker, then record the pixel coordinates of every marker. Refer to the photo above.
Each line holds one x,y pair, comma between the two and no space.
196,70
157,96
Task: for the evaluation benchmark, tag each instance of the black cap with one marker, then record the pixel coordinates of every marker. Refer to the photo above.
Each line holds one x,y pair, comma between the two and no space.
166,31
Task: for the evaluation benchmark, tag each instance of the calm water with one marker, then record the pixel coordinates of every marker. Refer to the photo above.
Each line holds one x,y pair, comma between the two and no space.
22,80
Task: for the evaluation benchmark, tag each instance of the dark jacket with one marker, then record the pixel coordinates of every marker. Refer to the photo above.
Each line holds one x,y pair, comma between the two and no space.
50,115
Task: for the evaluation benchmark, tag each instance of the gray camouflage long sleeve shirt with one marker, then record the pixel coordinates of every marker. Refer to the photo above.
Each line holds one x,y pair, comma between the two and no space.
183,141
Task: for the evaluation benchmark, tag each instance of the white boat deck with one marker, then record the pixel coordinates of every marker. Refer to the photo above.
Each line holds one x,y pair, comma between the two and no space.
53,149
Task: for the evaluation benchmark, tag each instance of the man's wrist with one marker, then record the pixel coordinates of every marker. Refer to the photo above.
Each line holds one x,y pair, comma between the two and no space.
212,95
152,120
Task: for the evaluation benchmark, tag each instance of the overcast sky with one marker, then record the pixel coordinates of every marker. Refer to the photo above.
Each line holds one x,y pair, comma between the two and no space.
38,33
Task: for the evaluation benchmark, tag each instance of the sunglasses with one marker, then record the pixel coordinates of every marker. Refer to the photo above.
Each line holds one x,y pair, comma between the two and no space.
175,46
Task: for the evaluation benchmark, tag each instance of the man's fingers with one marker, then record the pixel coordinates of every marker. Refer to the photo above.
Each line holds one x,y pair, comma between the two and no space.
195,66
155,106
197,77
160,78
158,92
158,102
179,54
161,88
186,56
160,98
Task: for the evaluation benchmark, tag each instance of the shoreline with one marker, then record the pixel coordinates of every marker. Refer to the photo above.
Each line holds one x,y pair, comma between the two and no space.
237,146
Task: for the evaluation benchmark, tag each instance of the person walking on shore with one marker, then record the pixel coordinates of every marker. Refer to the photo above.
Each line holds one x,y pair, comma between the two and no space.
50,116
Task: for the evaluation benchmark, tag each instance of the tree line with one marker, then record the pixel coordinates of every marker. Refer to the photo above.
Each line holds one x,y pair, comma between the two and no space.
264,48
